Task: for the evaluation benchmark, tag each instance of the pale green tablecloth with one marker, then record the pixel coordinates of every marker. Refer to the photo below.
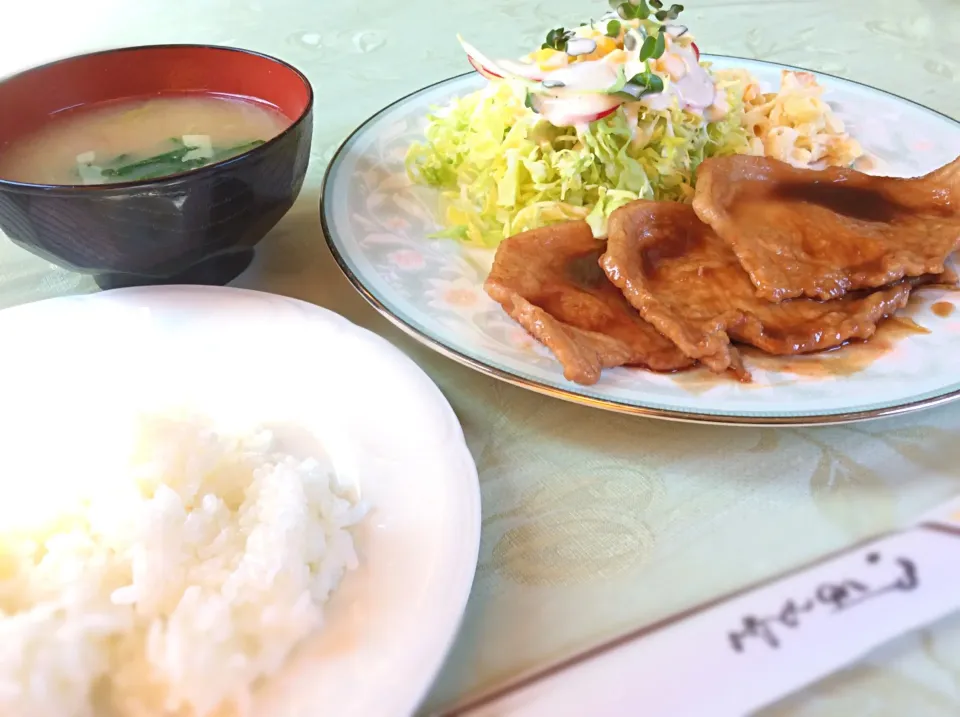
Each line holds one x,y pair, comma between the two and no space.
593,523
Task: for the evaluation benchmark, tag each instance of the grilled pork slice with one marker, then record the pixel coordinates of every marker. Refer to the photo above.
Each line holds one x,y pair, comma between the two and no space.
686,281
820,234
549,281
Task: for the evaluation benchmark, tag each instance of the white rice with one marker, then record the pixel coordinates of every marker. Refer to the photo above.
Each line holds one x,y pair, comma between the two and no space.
172,588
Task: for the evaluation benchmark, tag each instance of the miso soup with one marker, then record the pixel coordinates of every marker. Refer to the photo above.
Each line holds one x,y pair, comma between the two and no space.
135,139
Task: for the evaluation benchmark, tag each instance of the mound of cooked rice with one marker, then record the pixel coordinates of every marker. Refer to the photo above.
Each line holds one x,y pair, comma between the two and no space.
172,588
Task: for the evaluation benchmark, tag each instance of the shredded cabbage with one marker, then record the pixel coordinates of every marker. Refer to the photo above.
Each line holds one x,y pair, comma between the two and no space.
502,169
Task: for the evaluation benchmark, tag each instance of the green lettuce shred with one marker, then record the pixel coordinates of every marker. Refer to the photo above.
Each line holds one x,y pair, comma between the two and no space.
501,169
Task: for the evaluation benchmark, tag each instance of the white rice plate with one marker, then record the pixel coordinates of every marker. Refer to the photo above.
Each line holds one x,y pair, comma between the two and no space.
170,580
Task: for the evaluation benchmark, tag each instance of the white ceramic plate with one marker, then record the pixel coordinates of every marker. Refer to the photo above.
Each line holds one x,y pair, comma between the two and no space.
376,223
71,364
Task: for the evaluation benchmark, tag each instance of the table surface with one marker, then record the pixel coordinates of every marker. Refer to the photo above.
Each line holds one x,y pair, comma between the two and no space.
593,523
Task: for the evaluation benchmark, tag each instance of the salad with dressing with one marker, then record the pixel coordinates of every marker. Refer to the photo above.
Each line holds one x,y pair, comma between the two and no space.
603,114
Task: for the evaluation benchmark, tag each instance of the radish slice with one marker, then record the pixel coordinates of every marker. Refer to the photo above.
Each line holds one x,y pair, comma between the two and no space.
570,112
600,116
526,70
696,50
483,71
593,76
505,70
481,64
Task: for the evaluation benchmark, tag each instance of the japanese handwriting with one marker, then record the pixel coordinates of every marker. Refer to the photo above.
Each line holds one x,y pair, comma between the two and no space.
835,597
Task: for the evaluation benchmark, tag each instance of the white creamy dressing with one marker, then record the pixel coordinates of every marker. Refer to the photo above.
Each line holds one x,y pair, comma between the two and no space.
590,76
576,94
575,87
575,109
695,88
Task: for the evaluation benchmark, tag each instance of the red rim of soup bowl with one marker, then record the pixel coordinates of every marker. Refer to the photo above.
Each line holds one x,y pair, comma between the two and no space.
294,82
